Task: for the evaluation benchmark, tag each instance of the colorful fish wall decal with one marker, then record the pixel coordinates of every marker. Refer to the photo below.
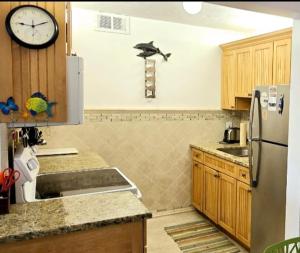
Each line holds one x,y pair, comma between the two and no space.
10,105
39,103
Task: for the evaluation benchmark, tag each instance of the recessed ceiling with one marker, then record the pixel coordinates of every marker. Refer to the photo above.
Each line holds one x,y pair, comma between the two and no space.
211,15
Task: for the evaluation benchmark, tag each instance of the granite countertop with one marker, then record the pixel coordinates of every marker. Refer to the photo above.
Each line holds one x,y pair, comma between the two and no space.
74,213
211,148
81,161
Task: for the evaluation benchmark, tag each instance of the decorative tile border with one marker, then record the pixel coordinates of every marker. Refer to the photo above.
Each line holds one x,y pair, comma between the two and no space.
134,115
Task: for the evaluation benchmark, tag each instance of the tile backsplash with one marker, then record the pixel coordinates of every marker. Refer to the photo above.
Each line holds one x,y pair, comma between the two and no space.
150,147
183,115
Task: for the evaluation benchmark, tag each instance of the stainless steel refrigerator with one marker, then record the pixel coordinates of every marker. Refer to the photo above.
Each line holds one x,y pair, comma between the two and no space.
268,139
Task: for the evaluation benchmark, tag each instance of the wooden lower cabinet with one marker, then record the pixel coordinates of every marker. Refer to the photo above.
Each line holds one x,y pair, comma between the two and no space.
197,188
125,238
221,191
210,204
227,203
243,213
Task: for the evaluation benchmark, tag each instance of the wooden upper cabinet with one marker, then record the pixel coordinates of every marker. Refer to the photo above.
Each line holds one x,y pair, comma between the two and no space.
228,80
282,61
262,64
26,71
243,87
247,63
243,213
210,205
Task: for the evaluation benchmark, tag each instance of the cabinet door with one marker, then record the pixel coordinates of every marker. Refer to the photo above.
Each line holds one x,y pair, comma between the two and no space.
262,64
197,187
243,216
243,87
210,205
227,203
228,80
282,61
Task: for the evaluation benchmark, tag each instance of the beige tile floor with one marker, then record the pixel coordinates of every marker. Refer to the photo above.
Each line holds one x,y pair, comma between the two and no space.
158,240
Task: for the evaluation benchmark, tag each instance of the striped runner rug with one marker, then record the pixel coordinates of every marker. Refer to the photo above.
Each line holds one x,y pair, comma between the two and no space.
200,236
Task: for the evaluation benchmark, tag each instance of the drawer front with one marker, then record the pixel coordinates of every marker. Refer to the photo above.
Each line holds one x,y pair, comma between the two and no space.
197,155
243,175
221,165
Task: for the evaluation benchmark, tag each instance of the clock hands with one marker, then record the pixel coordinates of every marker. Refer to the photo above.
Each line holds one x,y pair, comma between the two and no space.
41,23
32,22
33,25
21,23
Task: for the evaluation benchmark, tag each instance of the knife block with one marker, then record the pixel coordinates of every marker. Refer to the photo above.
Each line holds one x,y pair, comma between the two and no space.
4,202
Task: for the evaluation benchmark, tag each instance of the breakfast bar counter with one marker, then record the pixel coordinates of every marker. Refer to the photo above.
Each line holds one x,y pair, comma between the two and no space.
107,220
76,162
69,214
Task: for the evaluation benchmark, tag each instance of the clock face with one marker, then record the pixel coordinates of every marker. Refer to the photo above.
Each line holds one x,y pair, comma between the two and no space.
32,26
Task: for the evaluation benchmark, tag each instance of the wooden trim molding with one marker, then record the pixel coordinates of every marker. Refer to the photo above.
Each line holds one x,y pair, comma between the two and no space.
259,39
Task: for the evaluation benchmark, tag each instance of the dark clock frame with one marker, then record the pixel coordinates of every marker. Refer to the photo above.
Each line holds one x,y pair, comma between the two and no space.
27,45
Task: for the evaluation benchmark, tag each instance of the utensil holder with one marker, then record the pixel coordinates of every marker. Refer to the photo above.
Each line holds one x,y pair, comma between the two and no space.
4,202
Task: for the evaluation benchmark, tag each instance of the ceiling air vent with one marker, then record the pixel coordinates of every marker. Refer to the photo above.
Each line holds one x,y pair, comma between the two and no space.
107,22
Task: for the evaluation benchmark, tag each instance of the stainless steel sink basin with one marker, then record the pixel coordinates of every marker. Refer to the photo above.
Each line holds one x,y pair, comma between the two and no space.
238,151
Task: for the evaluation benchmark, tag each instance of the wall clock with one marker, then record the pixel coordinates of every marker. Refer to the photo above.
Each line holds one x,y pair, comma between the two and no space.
31,26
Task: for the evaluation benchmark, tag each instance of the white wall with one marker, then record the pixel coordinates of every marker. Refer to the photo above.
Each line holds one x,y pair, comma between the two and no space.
293,176
114,75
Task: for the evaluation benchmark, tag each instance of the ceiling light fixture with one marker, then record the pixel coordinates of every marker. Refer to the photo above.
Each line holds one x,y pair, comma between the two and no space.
192,7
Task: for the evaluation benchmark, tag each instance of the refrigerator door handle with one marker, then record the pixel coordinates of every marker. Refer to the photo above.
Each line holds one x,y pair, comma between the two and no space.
254,178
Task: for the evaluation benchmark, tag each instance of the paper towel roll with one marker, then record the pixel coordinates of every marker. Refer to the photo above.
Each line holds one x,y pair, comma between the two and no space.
243,134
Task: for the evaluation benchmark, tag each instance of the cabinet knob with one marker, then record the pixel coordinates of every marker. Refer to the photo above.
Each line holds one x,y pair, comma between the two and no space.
216,175
249,94
244,175
249,190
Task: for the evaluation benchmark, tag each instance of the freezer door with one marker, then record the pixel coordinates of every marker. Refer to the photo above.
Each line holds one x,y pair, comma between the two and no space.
269,196
273,105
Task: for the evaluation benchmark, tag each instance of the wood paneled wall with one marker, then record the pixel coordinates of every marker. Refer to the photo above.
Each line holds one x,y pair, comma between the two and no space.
25,71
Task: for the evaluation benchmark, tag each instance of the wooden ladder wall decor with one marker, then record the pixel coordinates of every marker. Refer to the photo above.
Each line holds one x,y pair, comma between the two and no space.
149,78
26,71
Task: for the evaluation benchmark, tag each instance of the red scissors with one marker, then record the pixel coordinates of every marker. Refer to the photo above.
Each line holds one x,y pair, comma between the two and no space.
10,176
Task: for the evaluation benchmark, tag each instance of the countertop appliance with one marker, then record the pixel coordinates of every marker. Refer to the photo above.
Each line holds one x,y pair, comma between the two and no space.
268,139
231,135
26,162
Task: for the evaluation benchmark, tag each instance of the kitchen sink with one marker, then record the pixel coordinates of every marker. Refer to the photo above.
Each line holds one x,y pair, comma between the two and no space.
237,151
64,184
